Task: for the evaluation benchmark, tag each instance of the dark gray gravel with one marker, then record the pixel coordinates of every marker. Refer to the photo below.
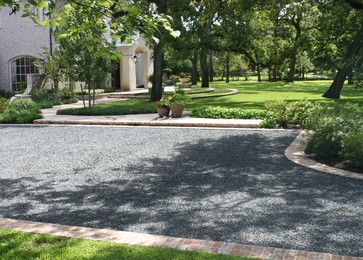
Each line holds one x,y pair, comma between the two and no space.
228,185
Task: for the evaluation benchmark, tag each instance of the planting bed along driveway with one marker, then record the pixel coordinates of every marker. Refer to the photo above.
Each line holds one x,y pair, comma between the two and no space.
229,185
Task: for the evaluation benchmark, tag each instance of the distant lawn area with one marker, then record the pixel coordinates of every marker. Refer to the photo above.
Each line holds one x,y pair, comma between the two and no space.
19,245
252,95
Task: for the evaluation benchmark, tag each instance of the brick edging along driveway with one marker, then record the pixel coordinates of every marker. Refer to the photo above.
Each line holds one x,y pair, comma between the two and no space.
296,153
165,241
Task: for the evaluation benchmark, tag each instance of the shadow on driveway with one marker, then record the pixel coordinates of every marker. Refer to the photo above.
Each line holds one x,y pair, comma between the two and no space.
237,187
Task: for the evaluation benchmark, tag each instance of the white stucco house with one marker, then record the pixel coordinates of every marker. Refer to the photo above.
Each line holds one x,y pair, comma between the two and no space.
21,41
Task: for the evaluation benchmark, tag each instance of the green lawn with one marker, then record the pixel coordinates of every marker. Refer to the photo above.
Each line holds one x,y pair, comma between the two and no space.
255,94
252,95
18,245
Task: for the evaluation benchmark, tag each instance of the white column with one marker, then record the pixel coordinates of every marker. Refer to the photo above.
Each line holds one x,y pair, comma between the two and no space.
148,67
128,72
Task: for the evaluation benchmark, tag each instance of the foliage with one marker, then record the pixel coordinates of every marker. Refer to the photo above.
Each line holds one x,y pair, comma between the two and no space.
183,75
229,113
66,94
20,111
270,121
51,67
352,149
19,245
3,104
21,87
127,107
164,103
49,103
179,98
333,127
269,118
295,113
42,94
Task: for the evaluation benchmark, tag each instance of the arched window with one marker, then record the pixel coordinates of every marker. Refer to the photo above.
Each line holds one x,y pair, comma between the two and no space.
20,68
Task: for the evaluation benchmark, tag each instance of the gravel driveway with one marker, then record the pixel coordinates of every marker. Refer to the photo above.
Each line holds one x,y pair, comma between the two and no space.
229,185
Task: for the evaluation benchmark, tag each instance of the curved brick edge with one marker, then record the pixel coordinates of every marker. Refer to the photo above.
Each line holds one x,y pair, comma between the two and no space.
231,93
209,90
296,153
165,241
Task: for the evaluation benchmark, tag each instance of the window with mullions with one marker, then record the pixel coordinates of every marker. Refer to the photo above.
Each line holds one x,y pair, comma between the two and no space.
20,68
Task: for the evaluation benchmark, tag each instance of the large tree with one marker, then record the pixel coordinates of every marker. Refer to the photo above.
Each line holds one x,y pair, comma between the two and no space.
346,23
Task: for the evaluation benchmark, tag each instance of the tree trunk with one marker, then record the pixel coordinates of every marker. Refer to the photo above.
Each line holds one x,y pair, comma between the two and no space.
157,82
259,72
274,74
292,65
352,50
195,76
89,95
204,67
204,56
227,68
56,84
291,75
211,68
269,73
303,72
84,102
350,77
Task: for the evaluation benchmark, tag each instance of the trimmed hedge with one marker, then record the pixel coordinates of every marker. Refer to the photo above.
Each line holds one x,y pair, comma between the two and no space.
127,107
229,113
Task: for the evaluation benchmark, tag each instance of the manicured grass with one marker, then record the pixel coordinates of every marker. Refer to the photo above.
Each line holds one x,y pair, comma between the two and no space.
132,106
19,245
253,95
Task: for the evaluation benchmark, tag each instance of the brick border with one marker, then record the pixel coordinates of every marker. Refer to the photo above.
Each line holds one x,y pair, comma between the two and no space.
231,93
145,123
166,242
296,153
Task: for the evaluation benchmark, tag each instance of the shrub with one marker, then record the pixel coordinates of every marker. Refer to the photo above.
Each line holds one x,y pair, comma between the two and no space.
128,107
295,113
332,125
43,95
352,149
270,120
229,113
163,103
22,87
20,111
3,104
179,97
48,103
325,144
66,94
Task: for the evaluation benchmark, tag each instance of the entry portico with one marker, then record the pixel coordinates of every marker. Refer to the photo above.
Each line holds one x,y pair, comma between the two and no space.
136,64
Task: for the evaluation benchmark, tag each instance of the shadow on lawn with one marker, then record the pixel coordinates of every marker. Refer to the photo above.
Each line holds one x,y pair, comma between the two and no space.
238,189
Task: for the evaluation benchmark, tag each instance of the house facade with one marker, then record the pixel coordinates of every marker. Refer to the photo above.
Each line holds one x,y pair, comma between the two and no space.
22,41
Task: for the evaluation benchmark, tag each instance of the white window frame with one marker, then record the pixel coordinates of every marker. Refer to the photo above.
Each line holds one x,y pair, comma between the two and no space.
24,70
